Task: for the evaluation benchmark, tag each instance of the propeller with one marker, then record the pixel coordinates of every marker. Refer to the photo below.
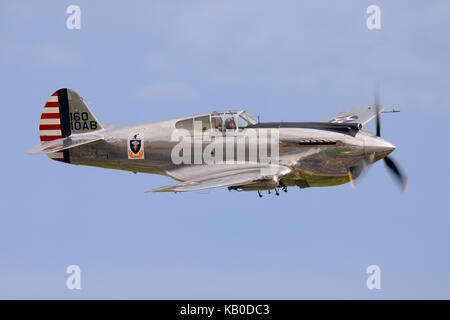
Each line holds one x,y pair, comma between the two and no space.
377,108
399,176
363,166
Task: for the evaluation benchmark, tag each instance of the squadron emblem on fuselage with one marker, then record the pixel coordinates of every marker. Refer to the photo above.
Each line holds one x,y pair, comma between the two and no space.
135,148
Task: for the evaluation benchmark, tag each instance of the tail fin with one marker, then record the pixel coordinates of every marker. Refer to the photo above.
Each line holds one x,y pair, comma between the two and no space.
65,114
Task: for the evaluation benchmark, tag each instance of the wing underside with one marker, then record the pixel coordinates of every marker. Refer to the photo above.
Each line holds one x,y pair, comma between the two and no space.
226,179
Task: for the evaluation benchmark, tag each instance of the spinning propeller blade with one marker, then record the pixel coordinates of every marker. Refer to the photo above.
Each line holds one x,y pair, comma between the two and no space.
394,169
400,177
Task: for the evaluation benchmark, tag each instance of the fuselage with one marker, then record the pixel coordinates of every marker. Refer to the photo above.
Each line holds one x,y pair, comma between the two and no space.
318,154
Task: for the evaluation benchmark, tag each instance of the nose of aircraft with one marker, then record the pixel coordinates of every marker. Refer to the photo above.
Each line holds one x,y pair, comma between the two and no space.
378,146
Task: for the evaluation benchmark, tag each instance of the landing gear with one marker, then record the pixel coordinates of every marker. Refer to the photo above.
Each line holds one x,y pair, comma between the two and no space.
277,192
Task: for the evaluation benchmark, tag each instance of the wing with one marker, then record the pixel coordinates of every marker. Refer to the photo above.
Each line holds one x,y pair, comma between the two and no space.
227,179
360,115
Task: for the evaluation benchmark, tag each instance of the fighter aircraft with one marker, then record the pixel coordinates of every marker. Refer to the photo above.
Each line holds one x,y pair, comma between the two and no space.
219,149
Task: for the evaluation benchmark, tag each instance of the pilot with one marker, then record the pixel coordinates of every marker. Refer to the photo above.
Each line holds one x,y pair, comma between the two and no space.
229,123
217,120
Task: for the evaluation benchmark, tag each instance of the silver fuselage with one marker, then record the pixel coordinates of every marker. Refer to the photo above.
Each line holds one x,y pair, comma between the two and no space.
311,164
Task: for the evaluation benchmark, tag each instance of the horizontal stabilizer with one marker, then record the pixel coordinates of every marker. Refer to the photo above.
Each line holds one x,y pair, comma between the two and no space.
72,141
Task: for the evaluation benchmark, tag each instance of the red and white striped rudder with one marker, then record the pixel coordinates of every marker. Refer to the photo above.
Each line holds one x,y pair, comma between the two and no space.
50,125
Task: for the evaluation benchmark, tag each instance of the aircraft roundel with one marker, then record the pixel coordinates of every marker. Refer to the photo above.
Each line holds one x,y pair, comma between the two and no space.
344,119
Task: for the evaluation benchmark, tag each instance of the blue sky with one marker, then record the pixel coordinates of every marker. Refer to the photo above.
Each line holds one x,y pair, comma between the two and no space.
137,62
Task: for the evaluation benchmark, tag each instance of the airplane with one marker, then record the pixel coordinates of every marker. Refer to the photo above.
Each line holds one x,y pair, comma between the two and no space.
221,148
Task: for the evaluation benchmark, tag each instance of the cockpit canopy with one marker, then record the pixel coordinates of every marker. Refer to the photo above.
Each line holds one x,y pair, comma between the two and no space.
218,120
